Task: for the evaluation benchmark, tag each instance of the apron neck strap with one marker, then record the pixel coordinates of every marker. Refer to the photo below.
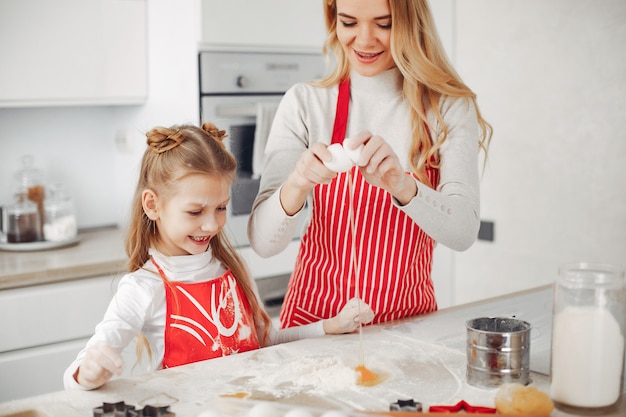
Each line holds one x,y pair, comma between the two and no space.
341,114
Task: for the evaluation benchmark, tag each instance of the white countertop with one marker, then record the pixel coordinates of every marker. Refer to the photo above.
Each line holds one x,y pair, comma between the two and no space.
424,357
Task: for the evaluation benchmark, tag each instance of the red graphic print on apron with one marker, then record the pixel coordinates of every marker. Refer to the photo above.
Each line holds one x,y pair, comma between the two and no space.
206,320
395,254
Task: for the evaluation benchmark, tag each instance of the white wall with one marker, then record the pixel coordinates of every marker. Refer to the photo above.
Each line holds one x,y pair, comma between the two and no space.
77,145
551,78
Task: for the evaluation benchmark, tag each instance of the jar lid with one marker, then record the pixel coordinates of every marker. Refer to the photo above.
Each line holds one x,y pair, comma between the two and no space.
28,175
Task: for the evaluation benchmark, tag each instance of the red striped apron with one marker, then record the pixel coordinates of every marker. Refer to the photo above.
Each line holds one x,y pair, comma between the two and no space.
206,320
394,254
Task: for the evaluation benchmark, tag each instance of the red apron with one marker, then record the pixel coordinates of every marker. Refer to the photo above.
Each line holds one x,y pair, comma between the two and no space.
394,254
206,320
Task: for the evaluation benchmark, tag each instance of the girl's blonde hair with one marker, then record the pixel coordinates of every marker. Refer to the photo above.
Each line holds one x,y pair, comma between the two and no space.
427,73
172,153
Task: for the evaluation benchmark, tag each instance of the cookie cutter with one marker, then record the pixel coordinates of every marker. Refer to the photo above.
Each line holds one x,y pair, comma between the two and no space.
121,409
406,405
461,406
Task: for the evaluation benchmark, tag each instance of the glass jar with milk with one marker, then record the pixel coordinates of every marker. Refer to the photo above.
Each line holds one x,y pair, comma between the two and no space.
589,315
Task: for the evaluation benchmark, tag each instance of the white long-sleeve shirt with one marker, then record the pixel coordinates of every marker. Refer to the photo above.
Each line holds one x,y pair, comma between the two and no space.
449,214
139,306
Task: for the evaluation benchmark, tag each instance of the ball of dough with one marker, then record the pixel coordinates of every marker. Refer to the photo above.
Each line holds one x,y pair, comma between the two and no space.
353,154
517,399
298,412
340,161
263,410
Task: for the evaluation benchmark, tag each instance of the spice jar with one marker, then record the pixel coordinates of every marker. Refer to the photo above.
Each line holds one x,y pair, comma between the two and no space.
23,220
59,218
588,337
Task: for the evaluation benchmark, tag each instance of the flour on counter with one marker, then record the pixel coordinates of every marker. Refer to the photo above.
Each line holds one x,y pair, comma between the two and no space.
429,373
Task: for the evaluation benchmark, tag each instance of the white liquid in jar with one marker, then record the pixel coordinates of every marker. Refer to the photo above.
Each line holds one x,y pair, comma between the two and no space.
587,357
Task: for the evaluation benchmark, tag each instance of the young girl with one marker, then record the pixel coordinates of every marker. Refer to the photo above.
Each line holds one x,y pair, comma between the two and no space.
188,295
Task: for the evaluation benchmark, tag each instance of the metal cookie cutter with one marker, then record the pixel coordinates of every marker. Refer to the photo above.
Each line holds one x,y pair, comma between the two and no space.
406,405
121,409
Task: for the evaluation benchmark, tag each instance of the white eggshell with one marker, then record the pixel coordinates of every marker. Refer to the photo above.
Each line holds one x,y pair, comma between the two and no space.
298,412
209,413
353,154
340,161
263,410
334,413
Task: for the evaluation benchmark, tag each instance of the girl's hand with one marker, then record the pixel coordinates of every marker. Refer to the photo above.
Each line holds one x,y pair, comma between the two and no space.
351,316
101,362
381,167
309,171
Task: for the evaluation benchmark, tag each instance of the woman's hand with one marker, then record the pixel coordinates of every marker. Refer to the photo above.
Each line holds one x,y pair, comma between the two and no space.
101,362
351,316
381,167
310,171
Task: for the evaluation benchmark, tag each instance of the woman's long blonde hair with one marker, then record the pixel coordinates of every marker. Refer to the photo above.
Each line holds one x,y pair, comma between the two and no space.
428,75
174,152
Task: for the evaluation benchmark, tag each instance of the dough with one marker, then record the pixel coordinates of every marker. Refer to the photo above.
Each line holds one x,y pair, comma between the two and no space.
517,399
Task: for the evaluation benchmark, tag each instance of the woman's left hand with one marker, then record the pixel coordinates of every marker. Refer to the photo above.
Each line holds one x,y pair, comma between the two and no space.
381,167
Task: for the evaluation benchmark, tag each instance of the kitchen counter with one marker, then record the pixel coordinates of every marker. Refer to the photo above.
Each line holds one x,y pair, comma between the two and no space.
99,252
424,358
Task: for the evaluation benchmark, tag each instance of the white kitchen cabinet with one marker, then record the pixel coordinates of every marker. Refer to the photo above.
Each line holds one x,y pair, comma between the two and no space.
274,23
72,52
42,330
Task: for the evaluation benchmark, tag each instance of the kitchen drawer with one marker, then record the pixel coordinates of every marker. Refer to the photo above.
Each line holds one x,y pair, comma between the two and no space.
44,314
36,371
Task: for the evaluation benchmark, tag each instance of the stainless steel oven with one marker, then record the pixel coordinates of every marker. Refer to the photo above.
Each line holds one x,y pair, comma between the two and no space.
237,90
234,85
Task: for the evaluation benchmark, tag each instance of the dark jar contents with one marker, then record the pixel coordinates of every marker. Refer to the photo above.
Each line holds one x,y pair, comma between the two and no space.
23,222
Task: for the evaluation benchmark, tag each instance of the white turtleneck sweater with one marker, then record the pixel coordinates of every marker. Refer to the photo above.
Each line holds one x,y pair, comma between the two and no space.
449,214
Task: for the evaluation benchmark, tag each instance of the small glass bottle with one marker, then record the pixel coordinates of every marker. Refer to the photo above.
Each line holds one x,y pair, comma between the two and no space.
587,360
23,220
59,218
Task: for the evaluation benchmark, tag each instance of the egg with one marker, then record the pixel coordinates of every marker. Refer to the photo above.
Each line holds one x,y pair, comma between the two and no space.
340,161
353,154
263,410
298,412
209,413
334,413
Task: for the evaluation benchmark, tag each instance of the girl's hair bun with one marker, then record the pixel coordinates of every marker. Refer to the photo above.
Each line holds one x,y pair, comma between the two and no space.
162,139
214,132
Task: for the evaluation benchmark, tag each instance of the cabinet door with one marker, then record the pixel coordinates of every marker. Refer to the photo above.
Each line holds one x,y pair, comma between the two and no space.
72,52
51,313
269,23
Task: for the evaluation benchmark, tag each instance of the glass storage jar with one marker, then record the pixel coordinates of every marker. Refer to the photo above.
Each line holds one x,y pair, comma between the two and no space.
588,326
59,217
23,220
30,179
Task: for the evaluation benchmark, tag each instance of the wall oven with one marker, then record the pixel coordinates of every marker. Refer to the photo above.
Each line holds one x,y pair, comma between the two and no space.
239,90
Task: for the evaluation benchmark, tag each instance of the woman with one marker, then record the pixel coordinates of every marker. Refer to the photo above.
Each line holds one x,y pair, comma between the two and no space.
416,181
